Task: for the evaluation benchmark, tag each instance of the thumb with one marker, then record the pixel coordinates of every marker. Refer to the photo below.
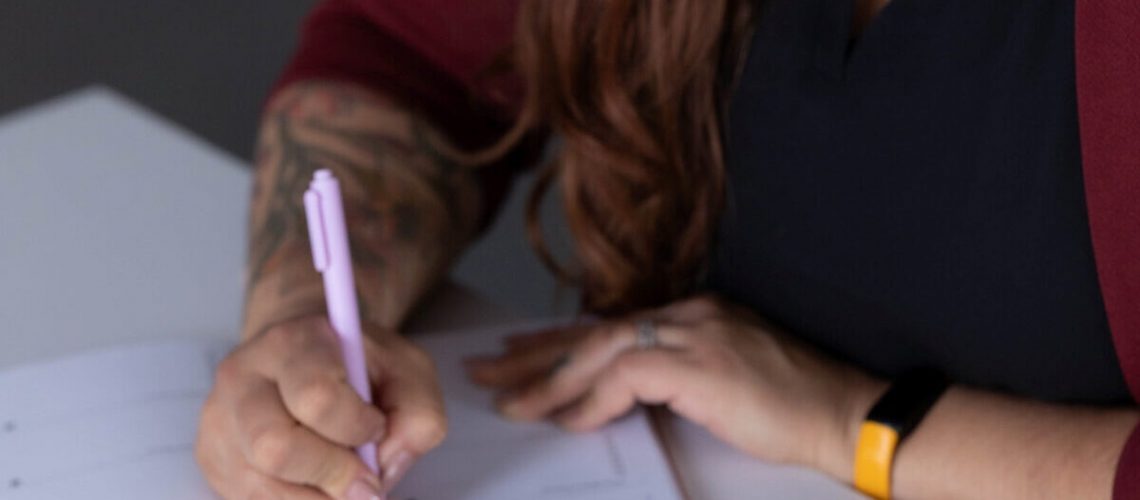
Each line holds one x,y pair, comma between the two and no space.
409,395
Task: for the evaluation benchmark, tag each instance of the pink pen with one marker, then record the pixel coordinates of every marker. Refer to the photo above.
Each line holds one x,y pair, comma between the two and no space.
329,237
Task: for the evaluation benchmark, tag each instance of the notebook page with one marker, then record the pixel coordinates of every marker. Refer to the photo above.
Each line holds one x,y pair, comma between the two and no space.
109,425
119,424
709,468
487,458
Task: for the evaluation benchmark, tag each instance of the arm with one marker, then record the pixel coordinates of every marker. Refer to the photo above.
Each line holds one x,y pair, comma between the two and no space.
761,391
977,444
410,210
281,419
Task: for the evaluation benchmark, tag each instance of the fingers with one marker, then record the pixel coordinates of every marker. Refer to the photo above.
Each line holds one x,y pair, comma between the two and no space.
570,382
316,392
692,310
310,374
417,422
522,363
244,482
281,420
413,404
277,446
229,473
258,485
650,376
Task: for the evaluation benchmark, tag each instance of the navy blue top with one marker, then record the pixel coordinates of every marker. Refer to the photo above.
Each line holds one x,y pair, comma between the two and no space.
913,197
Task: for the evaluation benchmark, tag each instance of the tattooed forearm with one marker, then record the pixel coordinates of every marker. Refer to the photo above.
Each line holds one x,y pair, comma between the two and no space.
409,207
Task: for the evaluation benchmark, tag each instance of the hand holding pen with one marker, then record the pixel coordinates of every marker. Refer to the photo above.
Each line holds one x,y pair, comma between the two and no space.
291,417
328,235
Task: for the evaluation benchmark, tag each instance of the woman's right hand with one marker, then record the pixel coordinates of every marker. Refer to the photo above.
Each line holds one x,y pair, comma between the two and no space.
281,420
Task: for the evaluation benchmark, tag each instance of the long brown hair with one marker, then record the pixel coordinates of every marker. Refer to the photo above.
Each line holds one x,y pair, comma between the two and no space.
635,89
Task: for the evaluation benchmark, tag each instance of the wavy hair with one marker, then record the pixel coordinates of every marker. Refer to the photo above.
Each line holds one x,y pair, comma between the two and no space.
636,90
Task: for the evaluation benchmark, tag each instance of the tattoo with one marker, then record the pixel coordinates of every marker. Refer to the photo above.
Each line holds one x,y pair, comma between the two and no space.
285,209
398,190
447,167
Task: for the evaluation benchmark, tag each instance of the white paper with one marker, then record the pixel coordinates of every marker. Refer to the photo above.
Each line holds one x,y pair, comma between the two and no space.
487,458
710,469
112,424
119,424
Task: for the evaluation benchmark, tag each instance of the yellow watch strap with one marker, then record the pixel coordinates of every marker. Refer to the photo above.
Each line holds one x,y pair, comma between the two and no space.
874,456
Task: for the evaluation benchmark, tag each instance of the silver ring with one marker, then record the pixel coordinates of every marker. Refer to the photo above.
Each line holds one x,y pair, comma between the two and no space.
647,334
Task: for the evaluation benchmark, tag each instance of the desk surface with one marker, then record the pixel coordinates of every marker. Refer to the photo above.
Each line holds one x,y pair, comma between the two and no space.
117,226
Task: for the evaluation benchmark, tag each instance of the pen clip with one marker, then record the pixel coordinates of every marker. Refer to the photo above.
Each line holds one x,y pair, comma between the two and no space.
316,220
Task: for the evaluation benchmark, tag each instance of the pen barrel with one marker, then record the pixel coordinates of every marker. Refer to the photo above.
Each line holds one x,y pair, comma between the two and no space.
352,349
340,287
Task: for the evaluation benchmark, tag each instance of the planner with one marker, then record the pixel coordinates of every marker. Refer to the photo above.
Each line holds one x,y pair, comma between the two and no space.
119,424
487,458
112,424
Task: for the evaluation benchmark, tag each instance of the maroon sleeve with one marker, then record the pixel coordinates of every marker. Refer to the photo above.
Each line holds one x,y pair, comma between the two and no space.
1127,485
1108,100
430,55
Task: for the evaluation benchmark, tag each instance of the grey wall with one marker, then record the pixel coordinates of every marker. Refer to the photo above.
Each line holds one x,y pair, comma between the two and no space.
204,63
207,64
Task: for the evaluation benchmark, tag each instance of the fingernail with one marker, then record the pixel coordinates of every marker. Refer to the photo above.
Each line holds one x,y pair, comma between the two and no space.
396,470
361,490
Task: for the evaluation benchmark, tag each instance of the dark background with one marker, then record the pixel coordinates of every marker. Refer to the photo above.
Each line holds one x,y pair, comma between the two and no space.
206,64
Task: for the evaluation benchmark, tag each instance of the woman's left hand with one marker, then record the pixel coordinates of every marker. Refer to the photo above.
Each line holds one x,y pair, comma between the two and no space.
713,363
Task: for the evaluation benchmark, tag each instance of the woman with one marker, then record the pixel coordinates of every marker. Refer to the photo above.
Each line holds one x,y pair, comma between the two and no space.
801,218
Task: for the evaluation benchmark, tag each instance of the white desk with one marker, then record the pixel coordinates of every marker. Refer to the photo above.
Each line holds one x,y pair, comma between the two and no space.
117,226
